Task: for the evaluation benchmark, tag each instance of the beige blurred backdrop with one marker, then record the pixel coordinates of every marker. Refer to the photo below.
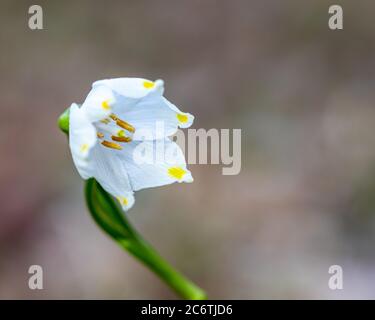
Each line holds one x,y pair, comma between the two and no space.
302,94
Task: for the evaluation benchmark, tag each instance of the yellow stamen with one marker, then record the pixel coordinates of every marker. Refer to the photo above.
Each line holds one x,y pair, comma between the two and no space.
121,139
176,172
125,125
121,123
183,118
105,121
100,135
111,145
148,84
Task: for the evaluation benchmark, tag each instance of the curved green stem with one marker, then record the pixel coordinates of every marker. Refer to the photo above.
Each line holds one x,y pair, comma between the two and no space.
111,219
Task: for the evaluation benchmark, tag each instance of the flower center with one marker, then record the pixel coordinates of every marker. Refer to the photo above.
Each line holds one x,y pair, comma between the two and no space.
111,126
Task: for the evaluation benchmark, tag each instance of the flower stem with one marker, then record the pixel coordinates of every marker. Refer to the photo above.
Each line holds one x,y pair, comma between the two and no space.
111,219
180,284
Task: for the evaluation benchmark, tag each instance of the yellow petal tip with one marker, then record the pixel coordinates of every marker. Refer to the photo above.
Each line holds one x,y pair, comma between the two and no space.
148,84
176,172
182,118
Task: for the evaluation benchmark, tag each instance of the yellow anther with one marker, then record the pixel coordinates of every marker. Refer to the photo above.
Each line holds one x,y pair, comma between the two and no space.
176,172
121,139
148,84
121,123
112,145
125,125
105,121
183,118
100,135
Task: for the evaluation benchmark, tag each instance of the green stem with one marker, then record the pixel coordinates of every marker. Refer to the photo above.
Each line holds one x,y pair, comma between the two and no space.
110,218
180,284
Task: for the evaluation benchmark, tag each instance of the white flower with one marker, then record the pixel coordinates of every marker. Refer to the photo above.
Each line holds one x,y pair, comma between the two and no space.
119,136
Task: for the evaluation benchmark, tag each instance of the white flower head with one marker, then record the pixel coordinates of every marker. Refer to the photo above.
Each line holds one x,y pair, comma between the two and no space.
119,136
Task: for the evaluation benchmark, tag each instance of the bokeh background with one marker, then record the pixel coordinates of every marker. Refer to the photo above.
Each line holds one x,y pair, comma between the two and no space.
302,94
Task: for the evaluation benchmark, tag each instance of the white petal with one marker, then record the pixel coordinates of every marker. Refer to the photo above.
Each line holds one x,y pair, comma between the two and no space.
152,115
99,103
154,118
82,139
154,163
126,200
185,120
94,160
110,171
135,88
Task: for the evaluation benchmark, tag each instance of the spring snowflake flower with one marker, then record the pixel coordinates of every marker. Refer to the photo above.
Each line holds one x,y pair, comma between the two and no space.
119,136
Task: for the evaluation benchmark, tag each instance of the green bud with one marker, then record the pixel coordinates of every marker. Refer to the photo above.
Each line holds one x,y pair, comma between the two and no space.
63,121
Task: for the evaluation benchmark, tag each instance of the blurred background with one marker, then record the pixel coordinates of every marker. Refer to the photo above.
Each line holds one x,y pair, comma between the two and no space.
302,94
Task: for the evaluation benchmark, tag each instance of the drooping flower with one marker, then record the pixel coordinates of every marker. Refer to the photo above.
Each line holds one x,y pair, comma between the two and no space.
120,136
